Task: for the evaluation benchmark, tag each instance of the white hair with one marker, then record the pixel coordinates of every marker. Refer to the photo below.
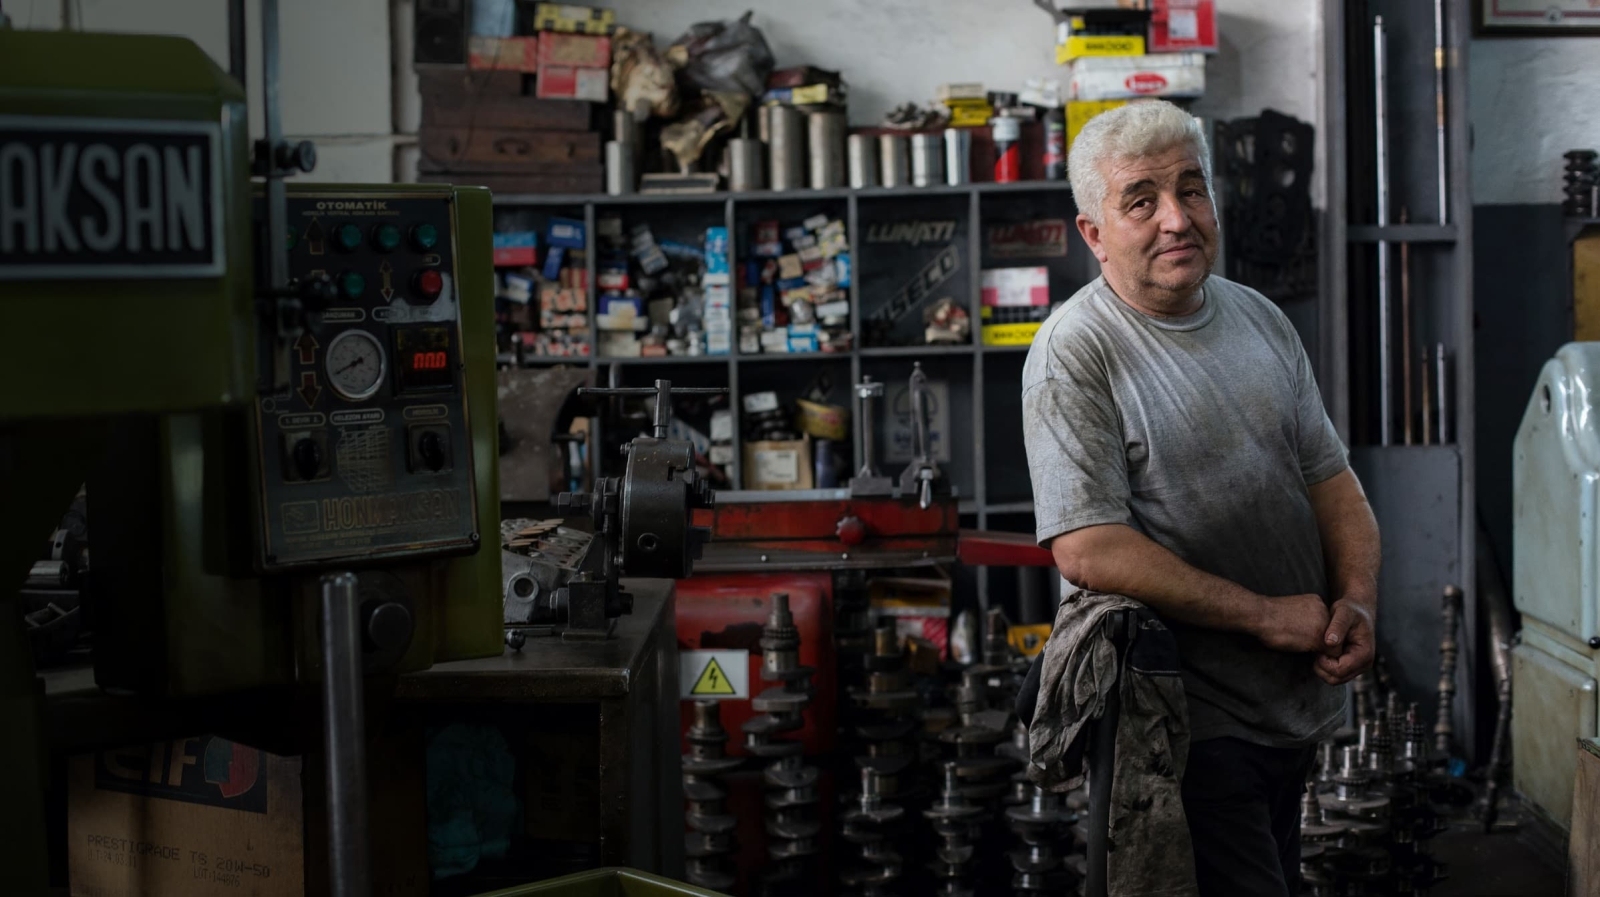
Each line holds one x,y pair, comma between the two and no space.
1137,129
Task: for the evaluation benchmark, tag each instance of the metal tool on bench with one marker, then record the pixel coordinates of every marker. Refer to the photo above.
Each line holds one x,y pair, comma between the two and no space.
921,477
643,524
868,481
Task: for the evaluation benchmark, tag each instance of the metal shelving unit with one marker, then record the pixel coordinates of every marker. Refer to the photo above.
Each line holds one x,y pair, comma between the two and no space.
978,376
1423,495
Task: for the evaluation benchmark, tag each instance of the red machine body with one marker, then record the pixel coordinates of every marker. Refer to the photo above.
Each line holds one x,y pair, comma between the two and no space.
726,612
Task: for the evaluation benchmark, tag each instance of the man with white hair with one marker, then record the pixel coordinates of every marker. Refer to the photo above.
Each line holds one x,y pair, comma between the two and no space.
1181,457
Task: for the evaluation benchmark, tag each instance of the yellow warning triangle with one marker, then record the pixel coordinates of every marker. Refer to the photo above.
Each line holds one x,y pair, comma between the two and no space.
712,681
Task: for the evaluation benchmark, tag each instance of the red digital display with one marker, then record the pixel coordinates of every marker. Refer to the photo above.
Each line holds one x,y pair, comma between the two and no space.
424,354
429,361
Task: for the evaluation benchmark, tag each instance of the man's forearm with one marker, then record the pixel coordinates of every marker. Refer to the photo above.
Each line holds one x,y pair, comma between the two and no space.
1120,560
1350,543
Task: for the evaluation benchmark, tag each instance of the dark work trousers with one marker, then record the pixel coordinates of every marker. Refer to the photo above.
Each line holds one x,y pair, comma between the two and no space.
1243,805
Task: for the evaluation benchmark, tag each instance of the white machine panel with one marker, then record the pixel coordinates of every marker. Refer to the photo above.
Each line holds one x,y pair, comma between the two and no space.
1555,470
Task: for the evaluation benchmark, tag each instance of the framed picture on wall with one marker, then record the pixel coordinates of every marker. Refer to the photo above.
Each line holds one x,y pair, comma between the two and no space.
1526,18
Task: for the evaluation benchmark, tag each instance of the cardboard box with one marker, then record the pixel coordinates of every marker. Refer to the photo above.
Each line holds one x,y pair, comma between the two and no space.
822,421
1170,75
573,19
1010,334
191,818
580,50
1080,111
565,82
1077,46
778,465
1009,287
506,54
516,248
920,607
1183,26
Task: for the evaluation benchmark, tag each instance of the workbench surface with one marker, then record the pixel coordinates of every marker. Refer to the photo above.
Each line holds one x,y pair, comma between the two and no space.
550,669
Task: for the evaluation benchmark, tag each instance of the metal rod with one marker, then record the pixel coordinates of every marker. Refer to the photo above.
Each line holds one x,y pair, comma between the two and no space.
1438,106
1427,401
1442,377
238,31
1450,611
1385,338
277,210
344,736
866,393
1405,331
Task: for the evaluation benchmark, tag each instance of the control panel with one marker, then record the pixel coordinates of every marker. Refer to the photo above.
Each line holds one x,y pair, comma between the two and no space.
368,454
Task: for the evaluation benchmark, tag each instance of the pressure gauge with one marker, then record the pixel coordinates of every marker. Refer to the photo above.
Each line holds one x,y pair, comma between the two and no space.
356,365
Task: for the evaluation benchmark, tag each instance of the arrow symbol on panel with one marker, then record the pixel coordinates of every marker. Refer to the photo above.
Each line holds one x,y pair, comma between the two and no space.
308,389
307,346
387,270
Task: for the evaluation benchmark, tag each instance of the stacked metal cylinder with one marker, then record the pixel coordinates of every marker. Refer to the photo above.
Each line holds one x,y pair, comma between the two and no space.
882,726
867,827
791,818
1040,824
956,822
1367,814
709,840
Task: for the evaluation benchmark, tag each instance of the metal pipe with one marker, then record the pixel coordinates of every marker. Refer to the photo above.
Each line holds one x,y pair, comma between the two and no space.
1381,129
344,736
1427,400
1497,606
1438,108
1450,611
1405,331
238,35
1442,379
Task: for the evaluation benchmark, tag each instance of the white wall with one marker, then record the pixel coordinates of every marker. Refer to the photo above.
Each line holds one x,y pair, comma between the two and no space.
1532,100
336,54
333,63
895,51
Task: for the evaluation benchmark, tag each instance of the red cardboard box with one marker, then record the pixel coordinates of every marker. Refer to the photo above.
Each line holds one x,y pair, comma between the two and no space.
580,50
566,82
514,54
1183,26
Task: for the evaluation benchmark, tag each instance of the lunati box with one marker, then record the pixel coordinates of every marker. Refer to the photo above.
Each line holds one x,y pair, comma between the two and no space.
195,817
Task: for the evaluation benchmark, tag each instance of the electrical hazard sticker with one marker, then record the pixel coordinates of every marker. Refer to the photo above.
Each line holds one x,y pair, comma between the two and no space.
714,674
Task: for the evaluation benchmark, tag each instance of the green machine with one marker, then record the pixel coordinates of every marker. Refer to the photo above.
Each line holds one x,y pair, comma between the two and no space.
281,401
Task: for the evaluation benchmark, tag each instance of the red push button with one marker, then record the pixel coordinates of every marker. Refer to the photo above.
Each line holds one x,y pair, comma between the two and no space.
851,530
429,285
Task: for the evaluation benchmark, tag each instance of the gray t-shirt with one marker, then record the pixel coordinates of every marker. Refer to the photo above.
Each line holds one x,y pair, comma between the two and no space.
1203,432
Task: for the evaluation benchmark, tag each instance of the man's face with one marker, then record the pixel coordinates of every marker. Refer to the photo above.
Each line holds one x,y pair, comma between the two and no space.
1157,236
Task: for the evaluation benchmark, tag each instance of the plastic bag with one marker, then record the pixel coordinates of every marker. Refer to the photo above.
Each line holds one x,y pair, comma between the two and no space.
723,57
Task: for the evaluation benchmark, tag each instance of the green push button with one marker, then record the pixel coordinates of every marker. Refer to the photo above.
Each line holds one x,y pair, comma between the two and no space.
386,237
425,237
352,285
347,237
291,239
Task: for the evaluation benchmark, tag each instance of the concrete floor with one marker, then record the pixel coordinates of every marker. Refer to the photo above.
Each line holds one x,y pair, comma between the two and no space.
1498,865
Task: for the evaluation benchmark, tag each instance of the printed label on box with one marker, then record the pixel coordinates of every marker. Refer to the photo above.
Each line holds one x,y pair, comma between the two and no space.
777,466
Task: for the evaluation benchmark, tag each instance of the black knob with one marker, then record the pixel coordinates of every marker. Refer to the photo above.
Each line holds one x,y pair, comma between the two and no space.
1594,641
388,628
431,450
307,459
317,292
300,156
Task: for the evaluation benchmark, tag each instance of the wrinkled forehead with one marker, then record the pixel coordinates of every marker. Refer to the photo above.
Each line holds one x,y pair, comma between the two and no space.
1170,165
